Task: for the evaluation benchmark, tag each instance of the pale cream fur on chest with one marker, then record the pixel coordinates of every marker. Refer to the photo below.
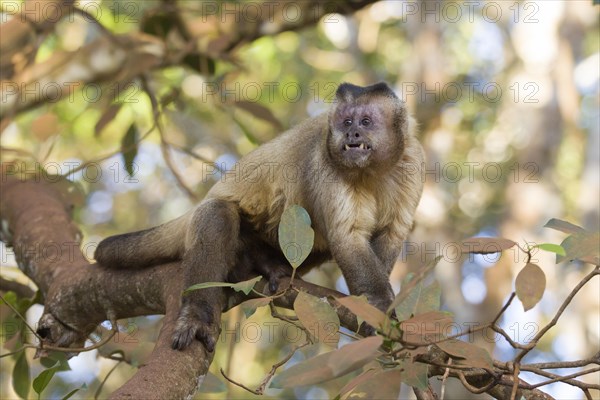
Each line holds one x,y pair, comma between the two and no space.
355,211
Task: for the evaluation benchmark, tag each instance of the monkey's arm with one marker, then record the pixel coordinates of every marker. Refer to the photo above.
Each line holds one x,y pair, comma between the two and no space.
387,247
363,270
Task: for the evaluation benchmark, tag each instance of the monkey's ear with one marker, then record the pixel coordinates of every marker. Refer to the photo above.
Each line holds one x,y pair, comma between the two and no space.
347,92
381,89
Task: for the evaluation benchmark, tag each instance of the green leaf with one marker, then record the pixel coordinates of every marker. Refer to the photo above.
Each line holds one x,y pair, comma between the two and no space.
419,301
553,248
10,297
360,307
318,317
43,379
129,148
467,354
530,285
409,282
330,365
366,375
20,376
584,246
54,358
430,299
407,308
426,327
249,306
414,374
72,392
206,285
110,114
244,286
296,237
249,135
384,385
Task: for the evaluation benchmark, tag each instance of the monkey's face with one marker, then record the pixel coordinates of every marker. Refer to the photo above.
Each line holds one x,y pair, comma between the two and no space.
362,135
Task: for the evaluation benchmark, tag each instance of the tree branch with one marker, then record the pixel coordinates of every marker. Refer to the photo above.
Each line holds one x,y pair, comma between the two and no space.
79,295
20,289
125,57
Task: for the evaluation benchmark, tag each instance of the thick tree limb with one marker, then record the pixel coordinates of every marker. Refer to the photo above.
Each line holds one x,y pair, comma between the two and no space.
79,295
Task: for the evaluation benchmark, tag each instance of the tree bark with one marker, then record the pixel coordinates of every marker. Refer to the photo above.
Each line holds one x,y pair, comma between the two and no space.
79,295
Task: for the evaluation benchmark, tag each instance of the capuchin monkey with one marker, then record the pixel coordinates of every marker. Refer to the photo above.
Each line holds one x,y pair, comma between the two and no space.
356,170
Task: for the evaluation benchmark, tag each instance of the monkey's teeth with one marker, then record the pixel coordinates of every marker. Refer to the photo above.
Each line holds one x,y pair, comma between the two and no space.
346,147
362,146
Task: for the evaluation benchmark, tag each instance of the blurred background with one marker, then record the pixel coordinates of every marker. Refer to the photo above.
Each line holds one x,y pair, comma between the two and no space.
506,95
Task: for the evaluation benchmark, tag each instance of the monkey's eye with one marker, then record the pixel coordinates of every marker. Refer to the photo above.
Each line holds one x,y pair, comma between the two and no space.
365,121
347,122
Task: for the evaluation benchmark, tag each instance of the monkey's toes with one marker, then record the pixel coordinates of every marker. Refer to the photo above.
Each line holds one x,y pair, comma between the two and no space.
184,335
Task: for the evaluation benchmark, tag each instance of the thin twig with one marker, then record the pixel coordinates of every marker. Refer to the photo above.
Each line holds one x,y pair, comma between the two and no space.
19,152
573,382
566,302
474,389
164,145
109,155
43,346
506,305
567,377
507,337
515,387
114,330
444,379
90,18
106,378
427,394
253,391
263,385
21,317
563,364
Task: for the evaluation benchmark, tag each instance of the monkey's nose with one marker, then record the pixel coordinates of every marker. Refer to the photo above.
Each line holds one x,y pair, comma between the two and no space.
355,134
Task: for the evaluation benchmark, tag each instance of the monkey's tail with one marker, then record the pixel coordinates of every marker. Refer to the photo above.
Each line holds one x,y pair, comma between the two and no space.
143,248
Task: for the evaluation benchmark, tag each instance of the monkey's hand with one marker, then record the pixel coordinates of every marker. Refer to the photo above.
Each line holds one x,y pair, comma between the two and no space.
198,319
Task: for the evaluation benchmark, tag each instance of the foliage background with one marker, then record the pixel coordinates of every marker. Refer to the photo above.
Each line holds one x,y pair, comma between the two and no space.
518,145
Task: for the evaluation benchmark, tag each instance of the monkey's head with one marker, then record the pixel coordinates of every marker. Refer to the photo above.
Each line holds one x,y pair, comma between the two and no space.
367,127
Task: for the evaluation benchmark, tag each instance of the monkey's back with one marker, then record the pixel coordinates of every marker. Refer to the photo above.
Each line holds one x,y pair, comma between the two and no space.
268,179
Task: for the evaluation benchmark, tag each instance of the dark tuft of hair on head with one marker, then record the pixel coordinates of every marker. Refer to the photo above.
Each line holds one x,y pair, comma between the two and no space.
348,92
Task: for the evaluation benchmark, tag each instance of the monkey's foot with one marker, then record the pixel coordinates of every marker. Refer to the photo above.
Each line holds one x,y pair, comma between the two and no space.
195,322
274,275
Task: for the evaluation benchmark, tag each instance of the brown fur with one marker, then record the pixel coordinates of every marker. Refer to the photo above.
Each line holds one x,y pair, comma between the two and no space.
361,203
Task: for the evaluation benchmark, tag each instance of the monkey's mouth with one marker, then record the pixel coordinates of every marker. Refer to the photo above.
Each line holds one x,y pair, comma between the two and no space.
356,146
